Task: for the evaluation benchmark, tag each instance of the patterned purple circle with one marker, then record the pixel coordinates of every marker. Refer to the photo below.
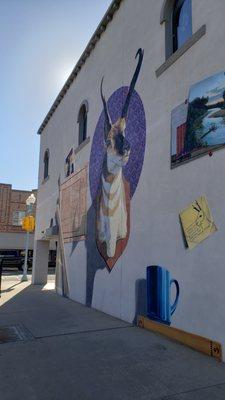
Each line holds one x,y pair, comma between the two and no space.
135,134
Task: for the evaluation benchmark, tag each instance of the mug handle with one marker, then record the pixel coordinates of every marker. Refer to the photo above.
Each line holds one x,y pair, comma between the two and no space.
174,306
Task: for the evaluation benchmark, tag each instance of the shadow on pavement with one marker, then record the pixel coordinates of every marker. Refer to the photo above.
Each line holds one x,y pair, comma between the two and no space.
75,352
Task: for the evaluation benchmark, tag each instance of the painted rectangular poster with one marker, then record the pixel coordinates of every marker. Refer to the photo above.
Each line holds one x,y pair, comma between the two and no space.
197,222
73,210
198,126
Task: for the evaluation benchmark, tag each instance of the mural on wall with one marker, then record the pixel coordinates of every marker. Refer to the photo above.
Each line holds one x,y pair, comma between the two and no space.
198,127
178,128
61,279
197,222
159,305
116,160
73,210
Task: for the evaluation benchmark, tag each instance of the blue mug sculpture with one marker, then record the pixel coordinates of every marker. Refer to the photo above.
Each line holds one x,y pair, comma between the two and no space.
159,306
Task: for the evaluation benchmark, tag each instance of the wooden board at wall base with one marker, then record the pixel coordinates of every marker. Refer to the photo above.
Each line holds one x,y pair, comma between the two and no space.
196,342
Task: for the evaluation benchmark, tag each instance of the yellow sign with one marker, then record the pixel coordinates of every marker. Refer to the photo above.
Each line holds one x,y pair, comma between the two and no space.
28,223
197,222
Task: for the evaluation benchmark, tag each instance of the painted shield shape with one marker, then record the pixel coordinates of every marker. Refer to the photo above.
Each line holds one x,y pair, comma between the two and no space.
116,161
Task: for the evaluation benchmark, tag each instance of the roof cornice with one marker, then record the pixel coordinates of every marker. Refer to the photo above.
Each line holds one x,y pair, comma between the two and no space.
89,48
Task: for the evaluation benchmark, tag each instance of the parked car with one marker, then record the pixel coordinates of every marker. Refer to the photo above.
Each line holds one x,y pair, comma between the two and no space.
14,258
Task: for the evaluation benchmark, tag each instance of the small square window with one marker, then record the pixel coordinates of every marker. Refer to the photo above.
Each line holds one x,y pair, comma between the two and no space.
18,217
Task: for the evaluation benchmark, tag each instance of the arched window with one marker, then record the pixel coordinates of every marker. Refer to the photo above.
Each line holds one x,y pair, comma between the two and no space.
182,23
177,15
46,163
69,164
82,121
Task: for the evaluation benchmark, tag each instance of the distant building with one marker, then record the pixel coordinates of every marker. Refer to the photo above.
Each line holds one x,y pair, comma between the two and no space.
12,211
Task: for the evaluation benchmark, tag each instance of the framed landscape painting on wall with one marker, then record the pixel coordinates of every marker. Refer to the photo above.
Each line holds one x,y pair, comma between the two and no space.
198,125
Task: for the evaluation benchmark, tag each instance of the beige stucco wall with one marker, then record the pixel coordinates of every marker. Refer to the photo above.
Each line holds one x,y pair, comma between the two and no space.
15,241
155,236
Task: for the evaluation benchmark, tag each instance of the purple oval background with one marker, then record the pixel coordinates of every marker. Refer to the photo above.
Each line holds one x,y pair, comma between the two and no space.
135,134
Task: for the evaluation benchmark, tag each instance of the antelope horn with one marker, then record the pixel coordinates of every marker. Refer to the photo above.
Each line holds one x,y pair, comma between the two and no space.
140,53
108,123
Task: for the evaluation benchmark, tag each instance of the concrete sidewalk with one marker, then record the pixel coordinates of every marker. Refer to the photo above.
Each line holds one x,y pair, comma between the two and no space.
76,353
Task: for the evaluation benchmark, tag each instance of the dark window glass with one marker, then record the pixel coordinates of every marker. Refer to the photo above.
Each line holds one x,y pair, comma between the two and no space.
68,168
182,23
46,164
69,163
82,120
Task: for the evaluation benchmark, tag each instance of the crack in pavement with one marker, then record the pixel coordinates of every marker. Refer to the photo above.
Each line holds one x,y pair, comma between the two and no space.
85,331
172,396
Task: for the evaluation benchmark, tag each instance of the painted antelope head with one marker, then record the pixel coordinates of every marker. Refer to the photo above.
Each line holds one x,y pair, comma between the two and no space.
112,210
202,220
118,147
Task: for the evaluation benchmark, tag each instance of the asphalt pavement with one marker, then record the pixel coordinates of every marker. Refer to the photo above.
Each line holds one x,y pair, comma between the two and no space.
58,349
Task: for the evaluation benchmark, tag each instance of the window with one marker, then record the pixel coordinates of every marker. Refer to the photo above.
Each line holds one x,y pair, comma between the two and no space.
82,121
182,23
69,165
46,163
177,15
179,37
18,217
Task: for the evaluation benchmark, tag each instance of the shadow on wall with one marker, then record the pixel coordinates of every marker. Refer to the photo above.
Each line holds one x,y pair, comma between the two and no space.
141,299
95,262
94,259
117,156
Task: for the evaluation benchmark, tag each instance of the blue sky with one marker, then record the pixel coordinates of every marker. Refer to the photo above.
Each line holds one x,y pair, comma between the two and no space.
40,42
209,87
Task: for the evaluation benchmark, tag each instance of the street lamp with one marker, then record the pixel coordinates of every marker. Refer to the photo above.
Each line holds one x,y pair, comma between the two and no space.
30,203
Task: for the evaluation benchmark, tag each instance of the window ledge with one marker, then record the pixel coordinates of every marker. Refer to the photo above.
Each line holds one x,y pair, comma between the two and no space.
45,179
175,56
82,145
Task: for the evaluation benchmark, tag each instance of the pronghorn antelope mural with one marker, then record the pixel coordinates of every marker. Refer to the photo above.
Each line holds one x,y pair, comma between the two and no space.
113,198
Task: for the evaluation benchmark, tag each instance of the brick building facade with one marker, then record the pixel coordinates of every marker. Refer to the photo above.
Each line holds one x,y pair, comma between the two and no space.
12,211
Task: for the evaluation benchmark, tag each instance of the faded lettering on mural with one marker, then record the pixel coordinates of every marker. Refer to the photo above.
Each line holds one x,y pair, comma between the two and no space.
73,199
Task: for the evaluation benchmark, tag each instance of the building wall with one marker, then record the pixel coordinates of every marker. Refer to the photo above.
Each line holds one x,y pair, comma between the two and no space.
5,193
12,236
15,241
155,235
